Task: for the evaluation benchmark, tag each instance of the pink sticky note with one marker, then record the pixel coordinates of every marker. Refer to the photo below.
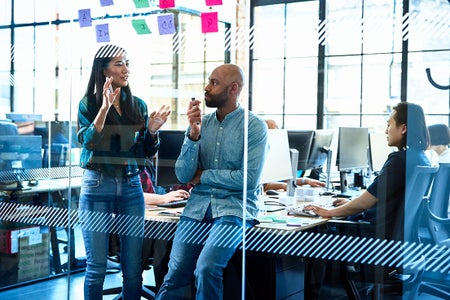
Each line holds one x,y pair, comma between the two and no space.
84,17
213,2
166,24
166,3
210,22
102,33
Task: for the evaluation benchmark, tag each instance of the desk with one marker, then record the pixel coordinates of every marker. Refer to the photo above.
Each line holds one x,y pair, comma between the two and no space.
272,272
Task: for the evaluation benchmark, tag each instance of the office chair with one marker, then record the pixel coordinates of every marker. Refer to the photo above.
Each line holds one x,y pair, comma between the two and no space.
7,127
55,155
407,277
148,292
436,216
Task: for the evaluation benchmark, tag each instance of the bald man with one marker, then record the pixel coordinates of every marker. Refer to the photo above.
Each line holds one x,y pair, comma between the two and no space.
212,159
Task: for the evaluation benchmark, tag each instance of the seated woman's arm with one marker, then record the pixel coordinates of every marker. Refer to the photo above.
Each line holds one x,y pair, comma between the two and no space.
365,201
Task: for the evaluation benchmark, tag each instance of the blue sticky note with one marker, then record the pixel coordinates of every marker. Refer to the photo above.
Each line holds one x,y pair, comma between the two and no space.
166,24
106,2
84,17
102,33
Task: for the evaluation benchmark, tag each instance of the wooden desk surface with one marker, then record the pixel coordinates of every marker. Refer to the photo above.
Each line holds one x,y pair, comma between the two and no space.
48,185
280,220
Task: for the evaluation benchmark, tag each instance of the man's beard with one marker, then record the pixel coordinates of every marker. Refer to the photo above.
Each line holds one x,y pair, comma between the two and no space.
218,100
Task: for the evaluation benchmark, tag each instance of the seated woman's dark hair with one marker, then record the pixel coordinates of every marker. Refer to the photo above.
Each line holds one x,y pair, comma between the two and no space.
413,117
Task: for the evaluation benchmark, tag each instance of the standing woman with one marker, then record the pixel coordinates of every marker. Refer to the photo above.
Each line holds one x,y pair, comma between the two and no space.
117,136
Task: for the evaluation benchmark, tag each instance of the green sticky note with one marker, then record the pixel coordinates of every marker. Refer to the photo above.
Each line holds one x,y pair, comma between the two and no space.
141,3
141,26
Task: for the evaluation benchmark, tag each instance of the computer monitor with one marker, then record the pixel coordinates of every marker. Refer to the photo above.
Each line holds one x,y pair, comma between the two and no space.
18,153
60,133
302,141
277,165
352,152
169,150
320,153
379,150
320,146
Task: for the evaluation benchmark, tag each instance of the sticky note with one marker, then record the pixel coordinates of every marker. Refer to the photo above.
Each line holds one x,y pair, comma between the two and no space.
102,33
141,3
210,22
140,26
166,3
84,17
166,24
213,2
106,2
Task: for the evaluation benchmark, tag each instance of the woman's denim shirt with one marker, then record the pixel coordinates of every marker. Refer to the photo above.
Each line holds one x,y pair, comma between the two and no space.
119,150
220,154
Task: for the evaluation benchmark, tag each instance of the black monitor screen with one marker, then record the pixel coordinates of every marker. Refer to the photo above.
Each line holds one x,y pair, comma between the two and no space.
320,145
20,152
170,147
302,141
353,147
59,131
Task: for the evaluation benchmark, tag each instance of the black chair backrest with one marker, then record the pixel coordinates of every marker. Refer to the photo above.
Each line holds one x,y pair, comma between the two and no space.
418,187
56,153
438,203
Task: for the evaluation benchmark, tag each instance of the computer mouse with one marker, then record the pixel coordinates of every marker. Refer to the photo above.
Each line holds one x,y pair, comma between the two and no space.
272,192
327,194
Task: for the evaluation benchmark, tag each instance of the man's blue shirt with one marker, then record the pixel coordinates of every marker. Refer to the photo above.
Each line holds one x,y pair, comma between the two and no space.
220,154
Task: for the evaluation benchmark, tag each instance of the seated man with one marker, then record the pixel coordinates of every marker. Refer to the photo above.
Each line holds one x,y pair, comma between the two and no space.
282,186
439,141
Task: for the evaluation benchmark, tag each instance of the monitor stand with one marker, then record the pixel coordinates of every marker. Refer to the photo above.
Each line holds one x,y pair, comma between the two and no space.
328,184
343,182
345,191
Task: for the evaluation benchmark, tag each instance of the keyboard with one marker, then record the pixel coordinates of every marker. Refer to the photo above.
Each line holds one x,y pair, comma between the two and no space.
173,204
299,211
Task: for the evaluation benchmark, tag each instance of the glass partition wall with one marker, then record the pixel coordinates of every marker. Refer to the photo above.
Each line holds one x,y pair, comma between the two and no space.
47,48
310,65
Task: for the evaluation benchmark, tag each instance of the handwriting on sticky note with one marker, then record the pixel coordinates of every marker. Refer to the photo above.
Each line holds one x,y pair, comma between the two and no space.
102,33
166,3
166,24
140,26
210,22
84,17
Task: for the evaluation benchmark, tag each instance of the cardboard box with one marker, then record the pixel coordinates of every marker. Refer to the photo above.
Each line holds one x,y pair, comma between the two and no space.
9,238
34,261
24,254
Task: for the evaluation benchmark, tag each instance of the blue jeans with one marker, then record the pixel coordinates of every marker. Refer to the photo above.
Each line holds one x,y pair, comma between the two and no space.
110,204
201,249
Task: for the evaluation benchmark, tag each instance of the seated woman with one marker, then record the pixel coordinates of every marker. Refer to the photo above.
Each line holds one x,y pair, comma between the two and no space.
384,198
382,204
